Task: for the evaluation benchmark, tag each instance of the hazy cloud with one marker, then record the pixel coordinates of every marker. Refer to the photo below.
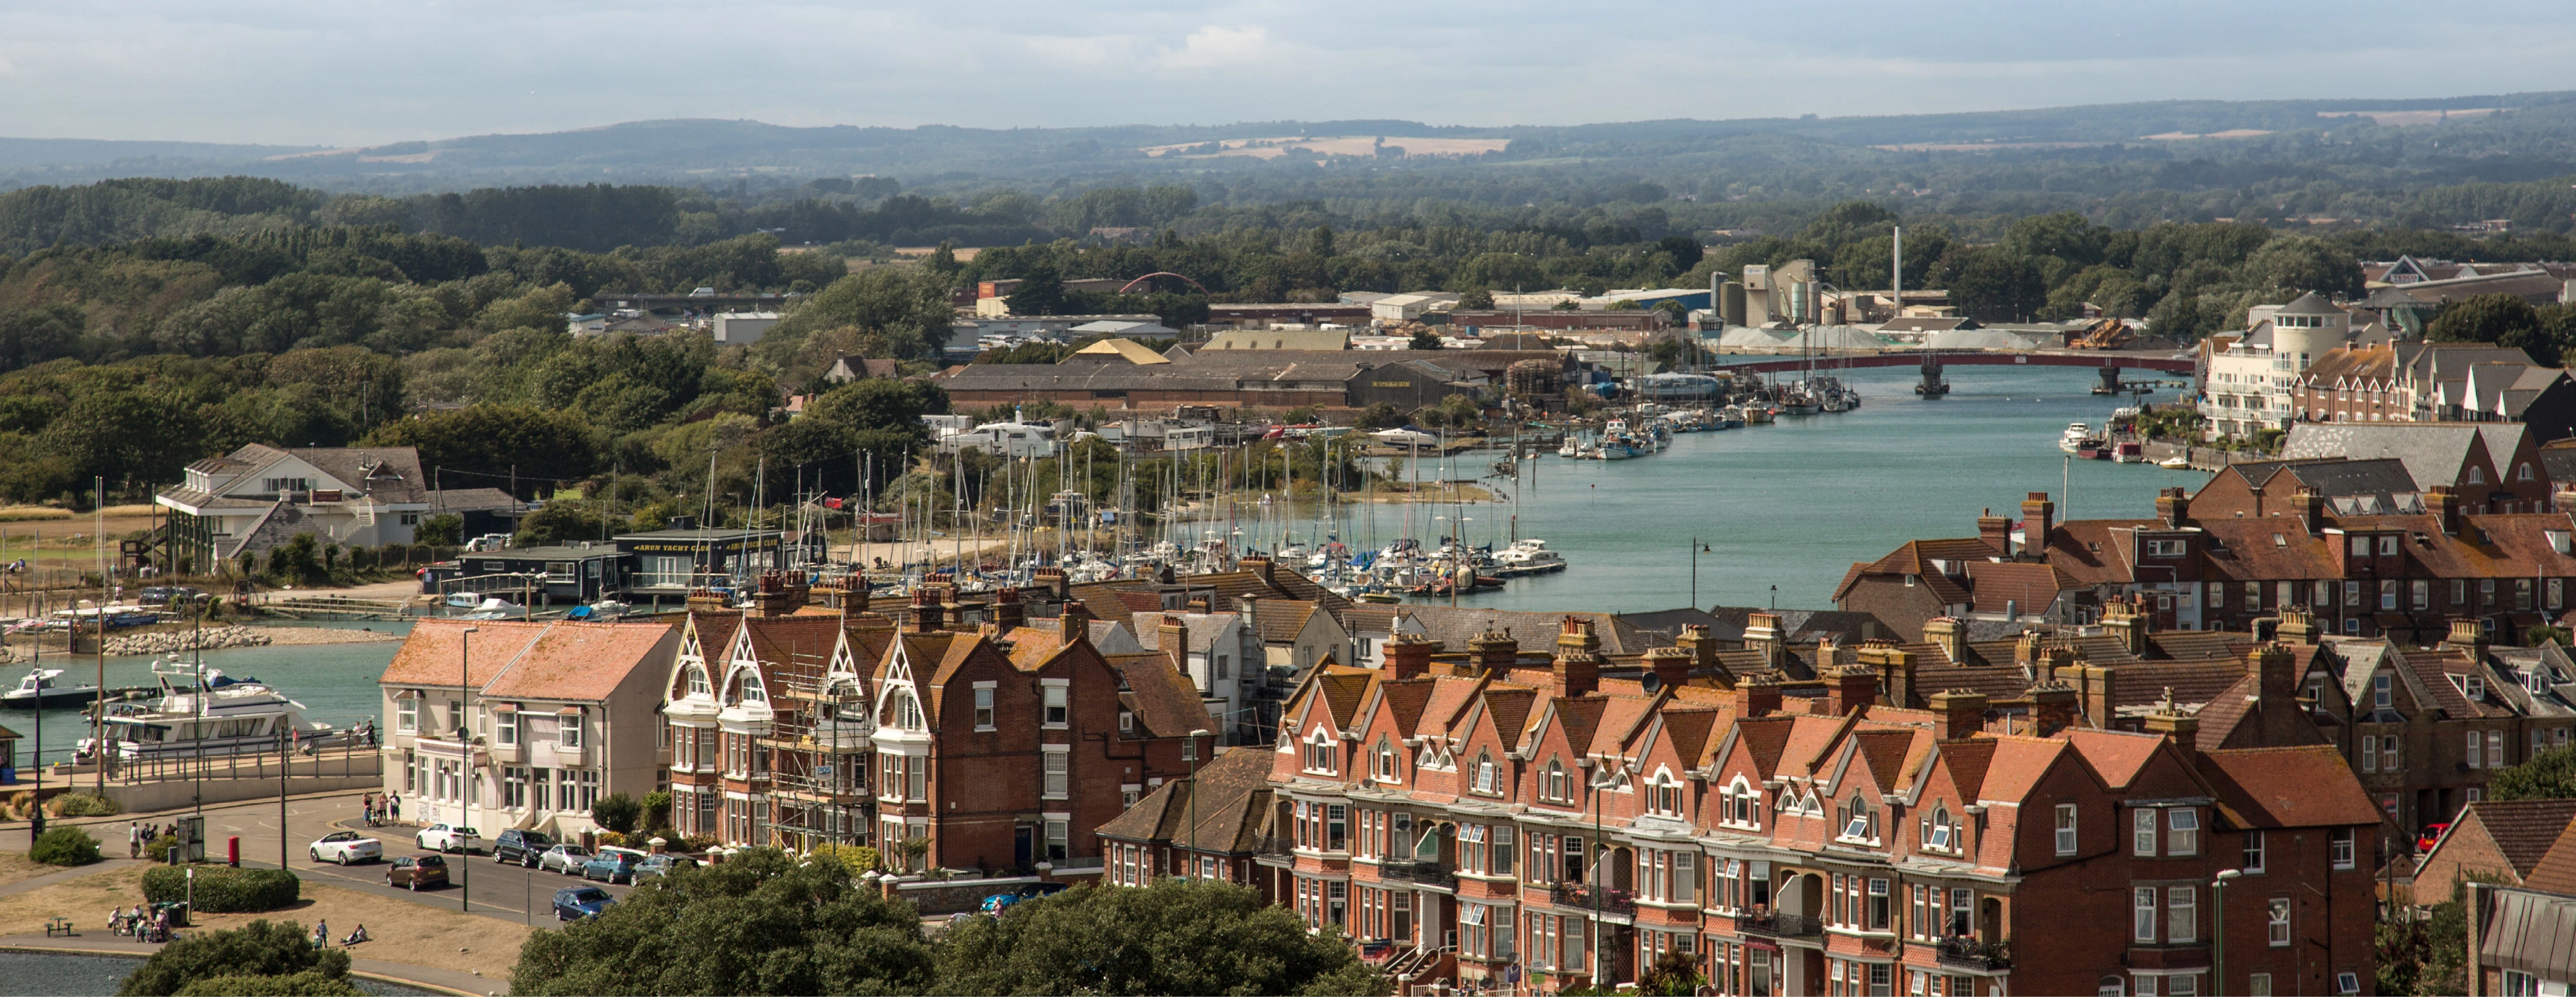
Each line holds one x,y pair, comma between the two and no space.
355,71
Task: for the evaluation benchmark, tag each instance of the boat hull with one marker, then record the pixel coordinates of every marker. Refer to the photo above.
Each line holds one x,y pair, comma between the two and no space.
50,699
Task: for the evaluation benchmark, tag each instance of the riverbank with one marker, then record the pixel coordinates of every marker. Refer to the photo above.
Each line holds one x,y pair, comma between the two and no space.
171,638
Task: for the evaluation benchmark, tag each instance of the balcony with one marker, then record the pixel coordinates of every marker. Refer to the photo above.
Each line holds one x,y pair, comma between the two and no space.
1591,897
1425,873
1778,925
1970,953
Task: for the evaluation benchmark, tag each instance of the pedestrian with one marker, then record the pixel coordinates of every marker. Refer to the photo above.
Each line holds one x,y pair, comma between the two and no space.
133,839
393,807
321,934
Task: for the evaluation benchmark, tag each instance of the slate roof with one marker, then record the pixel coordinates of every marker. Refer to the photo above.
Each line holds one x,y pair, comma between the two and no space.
1233,791
2433,452
1454,627
1166,702
2522,830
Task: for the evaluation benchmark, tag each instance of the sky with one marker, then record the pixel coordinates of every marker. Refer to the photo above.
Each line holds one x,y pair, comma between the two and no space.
359,72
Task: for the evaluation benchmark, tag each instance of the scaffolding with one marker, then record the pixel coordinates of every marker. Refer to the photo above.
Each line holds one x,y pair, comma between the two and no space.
818,735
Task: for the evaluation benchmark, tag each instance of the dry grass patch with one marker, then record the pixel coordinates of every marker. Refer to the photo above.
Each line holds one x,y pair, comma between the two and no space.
32,513
16,866
86,900
405,932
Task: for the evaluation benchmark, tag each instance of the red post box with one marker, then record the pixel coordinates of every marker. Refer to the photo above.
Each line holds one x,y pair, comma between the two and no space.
232,851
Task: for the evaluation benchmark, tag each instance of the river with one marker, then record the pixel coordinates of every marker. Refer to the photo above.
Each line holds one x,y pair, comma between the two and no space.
1785,509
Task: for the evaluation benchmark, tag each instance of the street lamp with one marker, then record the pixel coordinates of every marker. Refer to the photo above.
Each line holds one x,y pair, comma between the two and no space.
2218,931
1193,759
465,751
1602,778
1697,549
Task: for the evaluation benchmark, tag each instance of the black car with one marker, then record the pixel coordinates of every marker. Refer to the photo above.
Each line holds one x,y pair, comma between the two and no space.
521,847
575,903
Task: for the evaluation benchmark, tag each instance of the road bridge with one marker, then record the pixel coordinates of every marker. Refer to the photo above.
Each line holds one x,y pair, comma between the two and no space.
2109,365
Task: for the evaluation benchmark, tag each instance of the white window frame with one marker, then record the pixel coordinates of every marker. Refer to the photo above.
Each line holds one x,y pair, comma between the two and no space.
568,732
984,707
505,728
2142,832
407,715
2277,923
1055,769
1056,704
2182,831
2066,836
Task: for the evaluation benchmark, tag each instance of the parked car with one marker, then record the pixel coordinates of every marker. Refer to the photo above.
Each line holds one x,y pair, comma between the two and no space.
2430,836
610,866
572,903
345,847
660,865
448,838
565,858
416,871
519,846
999,902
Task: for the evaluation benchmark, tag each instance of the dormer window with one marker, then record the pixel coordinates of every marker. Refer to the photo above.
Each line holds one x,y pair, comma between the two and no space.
1383,761
1664,795
1555,784
1859,823
1488,778
1319,753
698,684
2475,687
2477,475
2164,548
1939,831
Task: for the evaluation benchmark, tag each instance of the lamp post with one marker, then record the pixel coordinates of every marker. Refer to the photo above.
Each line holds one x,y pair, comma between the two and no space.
465,753
2218,931
1193,759
1601,779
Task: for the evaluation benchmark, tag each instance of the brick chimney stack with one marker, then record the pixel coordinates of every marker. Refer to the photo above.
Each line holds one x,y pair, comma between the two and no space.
2126,621
1578,658
2312,510
1259,565
1493,653
1895,667
2181,728
1762,636
2052,708
2276,676
1671,666
2564,499
1702,649
1853,689
2037,515
2173,507
1996,531
927,614
2096,688
2298,626
1963,713
2469,638
1408,656
1172,637
1009,613
1946,632
1756,696
2439,501
1051,580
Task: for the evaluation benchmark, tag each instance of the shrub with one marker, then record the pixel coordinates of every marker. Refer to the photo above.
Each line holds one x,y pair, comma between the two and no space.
84,805
309,983
609,838
617,812
860,858
64,846
657,810
158,849
224,890
261,948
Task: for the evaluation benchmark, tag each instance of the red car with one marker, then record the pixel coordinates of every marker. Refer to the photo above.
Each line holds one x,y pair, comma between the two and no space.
2431,835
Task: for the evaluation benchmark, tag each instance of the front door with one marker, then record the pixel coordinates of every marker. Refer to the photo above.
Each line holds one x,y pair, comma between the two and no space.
1023,841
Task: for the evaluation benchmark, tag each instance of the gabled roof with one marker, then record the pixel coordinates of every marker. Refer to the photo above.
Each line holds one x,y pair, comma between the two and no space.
2309,786
1166,702
585,661
1233,792
1119,349
2433,452
436,649
2522,830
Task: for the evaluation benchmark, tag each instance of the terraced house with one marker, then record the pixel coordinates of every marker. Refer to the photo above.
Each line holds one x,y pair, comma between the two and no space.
1557,820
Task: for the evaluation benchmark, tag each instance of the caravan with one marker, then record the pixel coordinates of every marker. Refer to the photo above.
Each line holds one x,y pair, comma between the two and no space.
1005,439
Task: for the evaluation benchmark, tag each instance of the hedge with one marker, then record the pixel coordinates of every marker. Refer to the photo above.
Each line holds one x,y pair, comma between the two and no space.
222,889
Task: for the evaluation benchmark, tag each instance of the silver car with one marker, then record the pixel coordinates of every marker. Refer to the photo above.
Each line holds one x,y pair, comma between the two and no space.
564,858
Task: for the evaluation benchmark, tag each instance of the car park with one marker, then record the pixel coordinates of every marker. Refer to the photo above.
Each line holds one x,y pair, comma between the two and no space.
572,903
448,838
565,858
519,846
416,871
345,847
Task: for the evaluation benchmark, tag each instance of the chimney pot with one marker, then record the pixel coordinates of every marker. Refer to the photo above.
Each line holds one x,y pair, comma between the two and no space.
1408,656
2052,708
1854,689
1756,696
1671,666
1963,713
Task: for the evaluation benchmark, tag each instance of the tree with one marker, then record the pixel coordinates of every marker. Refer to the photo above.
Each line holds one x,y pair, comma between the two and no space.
1476,299
561,521
1674,974
898,312
1039,294
2548,775
487,445
1425,339
1686,251
2502,319
1998,286
759,923
261,948
2424,955
444,529
1174,937
617,812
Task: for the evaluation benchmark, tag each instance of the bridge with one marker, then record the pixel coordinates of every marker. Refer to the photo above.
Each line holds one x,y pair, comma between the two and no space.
2108,365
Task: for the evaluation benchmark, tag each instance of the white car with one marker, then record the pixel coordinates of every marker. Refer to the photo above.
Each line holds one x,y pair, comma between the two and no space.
448,838
346,847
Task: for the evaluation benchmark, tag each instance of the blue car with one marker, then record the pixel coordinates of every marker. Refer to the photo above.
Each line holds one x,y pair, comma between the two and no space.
999,902
572,903
615,867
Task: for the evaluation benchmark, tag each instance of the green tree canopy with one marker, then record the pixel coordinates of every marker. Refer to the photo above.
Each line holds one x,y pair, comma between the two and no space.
761,922
261,948
483,443
1174,937
2548,775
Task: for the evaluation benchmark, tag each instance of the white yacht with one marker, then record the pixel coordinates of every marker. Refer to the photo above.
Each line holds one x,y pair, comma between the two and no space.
2075,436
1529,557
209,713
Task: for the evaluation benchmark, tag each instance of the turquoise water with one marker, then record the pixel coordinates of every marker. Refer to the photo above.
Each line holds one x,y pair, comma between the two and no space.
101,975
335,682
1793,504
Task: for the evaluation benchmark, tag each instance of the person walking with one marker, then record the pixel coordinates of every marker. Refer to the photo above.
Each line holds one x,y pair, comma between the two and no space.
133,839
393,807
